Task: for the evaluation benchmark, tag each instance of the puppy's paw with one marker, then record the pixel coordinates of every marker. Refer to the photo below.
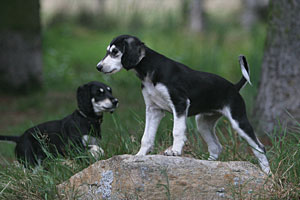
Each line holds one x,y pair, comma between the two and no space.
96,151
171,152
144,151
212,158
140,154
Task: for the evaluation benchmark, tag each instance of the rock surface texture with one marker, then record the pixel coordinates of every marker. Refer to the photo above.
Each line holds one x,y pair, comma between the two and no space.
162,177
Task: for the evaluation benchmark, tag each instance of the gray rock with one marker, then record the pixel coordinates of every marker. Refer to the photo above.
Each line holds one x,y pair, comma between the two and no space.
162,177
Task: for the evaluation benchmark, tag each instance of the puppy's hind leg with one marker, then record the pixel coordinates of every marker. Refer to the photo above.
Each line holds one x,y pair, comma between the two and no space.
240,123
206,126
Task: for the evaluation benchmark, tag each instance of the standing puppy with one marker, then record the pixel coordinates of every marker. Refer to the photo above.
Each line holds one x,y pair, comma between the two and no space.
171,86
81,129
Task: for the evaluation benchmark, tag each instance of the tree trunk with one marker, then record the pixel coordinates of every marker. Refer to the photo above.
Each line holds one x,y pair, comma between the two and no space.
279,94
20,46
196,16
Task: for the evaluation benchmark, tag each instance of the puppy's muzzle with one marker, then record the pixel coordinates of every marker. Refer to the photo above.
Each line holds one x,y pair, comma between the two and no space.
99,67
115,102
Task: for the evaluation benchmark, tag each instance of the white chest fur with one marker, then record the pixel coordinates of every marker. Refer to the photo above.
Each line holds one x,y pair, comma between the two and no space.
157,96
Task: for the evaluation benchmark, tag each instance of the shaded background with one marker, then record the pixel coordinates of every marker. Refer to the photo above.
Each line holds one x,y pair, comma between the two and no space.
73,36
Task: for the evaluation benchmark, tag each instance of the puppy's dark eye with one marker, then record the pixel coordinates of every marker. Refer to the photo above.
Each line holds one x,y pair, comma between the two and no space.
114,51
101,91
109,89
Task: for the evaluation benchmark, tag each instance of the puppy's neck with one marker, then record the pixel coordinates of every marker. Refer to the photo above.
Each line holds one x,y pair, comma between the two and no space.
97,118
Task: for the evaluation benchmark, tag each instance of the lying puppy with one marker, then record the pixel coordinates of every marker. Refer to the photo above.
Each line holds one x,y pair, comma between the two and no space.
173,87
81,129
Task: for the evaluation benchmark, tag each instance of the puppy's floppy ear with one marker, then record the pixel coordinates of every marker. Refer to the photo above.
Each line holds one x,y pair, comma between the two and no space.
133,52
84,99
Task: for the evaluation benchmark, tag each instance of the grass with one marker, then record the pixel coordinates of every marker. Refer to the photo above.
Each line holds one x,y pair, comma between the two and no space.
70,55
283,153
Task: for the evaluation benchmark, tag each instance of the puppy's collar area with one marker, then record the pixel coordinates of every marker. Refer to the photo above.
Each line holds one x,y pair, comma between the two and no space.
98,118
82,113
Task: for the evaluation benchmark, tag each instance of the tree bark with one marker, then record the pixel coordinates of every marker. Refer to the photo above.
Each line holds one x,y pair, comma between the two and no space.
20,46
279,95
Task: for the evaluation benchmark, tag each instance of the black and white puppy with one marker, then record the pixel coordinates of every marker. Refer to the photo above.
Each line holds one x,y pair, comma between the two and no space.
81,129
171,86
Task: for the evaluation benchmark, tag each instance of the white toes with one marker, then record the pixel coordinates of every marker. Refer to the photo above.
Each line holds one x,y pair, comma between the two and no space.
170,152
144,151
140,153
96,151
211,158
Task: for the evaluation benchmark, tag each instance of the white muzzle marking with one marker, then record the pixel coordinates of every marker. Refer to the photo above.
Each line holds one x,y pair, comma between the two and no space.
101,106
111,64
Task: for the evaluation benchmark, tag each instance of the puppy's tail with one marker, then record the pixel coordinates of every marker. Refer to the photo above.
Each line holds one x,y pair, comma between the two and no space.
245,71
9,138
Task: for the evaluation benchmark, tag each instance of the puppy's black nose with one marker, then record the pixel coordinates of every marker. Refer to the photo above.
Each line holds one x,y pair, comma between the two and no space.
115,101
99,67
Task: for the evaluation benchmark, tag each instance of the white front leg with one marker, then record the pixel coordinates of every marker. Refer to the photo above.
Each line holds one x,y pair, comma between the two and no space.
93,144
179,132
179,136
153,117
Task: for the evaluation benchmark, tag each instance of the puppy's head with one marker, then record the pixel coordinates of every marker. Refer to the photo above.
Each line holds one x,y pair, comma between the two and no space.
124,51
94,98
